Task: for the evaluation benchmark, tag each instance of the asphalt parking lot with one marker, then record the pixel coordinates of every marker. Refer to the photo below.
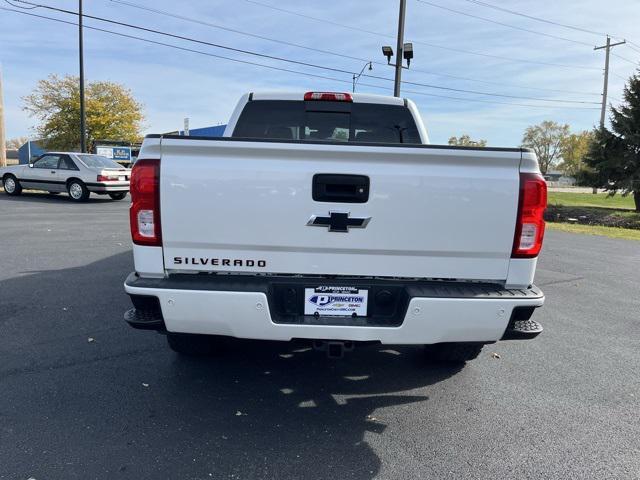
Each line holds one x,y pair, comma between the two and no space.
84,396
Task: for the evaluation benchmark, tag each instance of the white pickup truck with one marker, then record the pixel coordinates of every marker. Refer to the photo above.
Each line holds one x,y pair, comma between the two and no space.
328,217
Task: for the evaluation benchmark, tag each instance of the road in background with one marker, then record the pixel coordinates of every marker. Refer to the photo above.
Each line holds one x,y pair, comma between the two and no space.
82,395
567,189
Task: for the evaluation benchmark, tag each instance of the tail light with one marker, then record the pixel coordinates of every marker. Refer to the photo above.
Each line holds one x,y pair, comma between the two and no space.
530,222
144,213
328,96
107,178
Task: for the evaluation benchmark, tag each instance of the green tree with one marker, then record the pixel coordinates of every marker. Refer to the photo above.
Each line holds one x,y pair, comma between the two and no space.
112,112
342,135
466,141
546,140
614,154
573,150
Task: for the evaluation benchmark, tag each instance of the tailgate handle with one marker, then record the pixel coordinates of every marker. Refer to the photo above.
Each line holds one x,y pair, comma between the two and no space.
340,188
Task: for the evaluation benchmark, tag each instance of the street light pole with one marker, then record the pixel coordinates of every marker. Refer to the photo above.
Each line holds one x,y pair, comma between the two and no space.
357,77
399,55
83,125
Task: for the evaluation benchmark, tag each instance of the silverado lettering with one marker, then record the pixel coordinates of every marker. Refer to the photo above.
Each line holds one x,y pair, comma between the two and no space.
215,262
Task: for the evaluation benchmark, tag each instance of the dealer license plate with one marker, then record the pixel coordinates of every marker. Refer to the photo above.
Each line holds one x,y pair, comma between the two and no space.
336,301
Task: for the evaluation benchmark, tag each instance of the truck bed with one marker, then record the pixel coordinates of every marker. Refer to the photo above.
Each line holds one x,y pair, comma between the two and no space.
232,205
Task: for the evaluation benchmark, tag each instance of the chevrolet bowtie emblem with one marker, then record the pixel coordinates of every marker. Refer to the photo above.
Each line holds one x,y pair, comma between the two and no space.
338,221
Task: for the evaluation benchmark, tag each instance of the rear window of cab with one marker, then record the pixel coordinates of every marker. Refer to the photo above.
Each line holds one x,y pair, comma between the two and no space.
327,121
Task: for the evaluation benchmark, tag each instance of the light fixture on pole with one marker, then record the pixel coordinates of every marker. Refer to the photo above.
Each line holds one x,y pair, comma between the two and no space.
387,51
357,77
407,53
404,50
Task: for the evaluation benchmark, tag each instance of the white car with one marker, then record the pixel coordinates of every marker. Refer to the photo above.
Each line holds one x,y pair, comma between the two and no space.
78,174
328,217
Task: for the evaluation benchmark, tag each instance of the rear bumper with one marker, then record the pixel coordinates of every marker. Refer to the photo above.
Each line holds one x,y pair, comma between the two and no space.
247,307
112,187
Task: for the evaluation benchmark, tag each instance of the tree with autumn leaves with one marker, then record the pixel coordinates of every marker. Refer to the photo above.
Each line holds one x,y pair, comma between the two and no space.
111,112
556,147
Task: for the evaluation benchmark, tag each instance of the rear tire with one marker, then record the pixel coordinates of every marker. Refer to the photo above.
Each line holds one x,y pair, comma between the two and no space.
118,195
11,185
192,345
77,190
454,353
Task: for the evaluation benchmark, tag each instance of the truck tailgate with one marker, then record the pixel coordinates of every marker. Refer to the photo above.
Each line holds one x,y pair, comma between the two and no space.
241,206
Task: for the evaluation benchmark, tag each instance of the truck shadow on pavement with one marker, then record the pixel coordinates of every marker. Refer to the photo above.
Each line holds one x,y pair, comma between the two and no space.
293,413
85,396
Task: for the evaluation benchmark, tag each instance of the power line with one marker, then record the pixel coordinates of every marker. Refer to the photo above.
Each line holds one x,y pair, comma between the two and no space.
19,6
476,92
475,100
633,46
177,47
420,42
623,58
240,32
489,82
200,52
188,39
360,59
538,19
551,22
317,19
557,37
509,59
619,76
297,62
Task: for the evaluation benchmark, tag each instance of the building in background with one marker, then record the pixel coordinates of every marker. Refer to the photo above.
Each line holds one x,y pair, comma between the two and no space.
29,151
215,131
556,178
12,156
124,153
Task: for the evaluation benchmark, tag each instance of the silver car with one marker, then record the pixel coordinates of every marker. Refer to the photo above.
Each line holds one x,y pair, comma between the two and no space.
78,174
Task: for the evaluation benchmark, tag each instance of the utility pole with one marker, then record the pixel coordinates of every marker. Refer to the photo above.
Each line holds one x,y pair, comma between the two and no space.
607,47
3,143
83,124
403,8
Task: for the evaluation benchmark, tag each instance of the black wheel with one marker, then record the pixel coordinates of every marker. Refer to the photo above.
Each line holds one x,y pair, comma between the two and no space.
195,345
453,352
11,185
77,191
118,195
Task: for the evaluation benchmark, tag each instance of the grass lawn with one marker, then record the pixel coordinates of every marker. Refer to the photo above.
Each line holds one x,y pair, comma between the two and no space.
613,232
590,200
598,214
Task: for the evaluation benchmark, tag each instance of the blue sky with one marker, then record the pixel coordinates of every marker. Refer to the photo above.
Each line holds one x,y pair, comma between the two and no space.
174,84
